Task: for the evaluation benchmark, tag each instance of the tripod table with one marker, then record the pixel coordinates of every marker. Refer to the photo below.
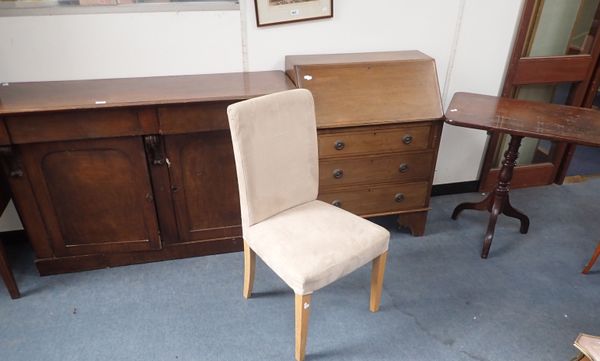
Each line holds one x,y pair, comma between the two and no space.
518,118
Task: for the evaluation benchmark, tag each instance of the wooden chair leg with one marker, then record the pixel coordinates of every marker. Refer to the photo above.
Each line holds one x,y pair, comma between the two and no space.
377,273
249,267
302,311
592,260
7,275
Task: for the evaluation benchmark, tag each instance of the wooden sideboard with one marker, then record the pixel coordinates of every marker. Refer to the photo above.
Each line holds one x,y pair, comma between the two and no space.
380,119
121,171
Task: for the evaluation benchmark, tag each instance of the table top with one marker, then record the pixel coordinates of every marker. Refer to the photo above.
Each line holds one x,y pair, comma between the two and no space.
107,93
525,118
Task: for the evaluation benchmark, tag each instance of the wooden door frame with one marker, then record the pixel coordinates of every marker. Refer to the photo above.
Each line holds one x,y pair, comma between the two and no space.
577,69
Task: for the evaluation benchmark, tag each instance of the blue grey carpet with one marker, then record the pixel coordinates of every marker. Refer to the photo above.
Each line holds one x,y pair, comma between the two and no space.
440,302
586,161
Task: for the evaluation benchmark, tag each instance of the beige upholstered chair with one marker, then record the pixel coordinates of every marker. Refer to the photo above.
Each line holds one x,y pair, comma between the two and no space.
306,242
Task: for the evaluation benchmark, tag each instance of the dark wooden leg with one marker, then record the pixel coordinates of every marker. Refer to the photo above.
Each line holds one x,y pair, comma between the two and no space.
7,275
484,205
511,211
497,202
489,233
413,221
593,260
501,193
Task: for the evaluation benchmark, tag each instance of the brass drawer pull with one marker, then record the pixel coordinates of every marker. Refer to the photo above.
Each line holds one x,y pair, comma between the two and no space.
403,168
339,145
337,203
338,173
407,139
399,197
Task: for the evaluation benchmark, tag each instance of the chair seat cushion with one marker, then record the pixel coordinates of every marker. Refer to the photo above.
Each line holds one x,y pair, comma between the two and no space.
311,245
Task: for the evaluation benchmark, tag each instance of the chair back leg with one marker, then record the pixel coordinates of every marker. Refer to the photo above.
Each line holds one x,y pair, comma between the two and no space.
7,275
249,267
302,311
377,273
592,260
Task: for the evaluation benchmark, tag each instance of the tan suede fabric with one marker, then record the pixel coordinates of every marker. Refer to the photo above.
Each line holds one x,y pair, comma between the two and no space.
308,243
275,147
315,243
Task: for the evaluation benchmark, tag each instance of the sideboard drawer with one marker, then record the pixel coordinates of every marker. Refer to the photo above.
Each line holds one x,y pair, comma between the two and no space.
367,201
191,118
396,167
80,124
379,139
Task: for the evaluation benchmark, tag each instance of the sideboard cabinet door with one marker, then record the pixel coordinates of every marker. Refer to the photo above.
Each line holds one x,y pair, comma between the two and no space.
94,195
204,186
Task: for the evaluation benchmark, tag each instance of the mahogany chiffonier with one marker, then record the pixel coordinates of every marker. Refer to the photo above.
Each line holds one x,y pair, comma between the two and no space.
379,119
113,172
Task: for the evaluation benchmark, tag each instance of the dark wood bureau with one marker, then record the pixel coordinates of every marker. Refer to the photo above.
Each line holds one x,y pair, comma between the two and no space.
121,171
380,119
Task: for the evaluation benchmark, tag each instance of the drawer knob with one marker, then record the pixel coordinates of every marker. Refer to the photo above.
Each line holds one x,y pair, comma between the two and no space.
337,203
399,197
338,173
403,168
407,139
339,145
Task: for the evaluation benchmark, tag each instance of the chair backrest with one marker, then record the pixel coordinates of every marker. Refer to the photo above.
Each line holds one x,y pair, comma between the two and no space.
276,156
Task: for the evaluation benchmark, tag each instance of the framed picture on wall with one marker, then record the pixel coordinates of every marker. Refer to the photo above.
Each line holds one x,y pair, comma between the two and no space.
270,12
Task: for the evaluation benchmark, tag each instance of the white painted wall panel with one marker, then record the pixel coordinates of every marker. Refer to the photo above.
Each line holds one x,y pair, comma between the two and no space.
483,47
68,47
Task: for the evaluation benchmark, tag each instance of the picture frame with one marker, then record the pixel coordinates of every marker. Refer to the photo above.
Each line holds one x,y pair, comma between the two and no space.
272,12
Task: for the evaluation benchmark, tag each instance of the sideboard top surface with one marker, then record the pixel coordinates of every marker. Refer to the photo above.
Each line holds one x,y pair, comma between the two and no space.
16,98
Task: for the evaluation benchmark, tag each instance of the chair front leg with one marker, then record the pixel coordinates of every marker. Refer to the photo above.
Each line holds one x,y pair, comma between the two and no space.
302,312
377,273
249,267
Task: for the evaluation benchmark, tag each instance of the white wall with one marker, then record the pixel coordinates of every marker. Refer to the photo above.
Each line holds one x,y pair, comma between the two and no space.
67,47
470,40
484,44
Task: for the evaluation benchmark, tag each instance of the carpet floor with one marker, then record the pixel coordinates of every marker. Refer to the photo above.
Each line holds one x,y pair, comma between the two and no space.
527,301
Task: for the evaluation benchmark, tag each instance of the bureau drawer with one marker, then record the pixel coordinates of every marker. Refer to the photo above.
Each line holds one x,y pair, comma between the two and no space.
374,140
398,167
366,201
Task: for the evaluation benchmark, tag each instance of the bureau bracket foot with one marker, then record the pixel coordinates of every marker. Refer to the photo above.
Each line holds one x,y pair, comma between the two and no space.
415,222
